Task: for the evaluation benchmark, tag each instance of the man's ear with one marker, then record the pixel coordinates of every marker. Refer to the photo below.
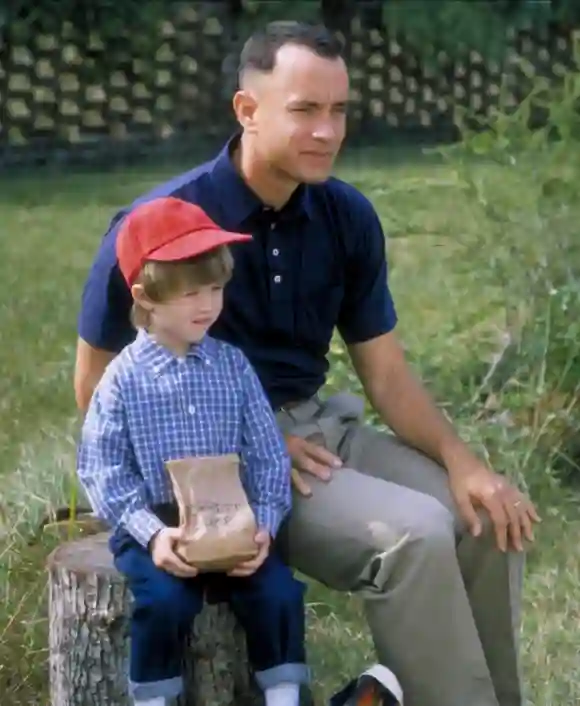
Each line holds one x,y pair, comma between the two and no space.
139,297
245,104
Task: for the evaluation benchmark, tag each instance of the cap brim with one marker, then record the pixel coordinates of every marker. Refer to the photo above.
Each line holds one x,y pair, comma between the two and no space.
197,243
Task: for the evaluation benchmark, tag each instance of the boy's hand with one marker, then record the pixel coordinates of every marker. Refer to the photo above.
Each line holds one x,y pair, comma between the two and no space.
164,556
247,568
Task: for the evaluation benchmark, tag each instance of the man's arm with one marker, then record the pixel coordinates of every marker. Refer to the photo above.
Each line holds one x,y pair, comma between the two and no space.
405,405
367,325
367,322
104,324
90,365
402,401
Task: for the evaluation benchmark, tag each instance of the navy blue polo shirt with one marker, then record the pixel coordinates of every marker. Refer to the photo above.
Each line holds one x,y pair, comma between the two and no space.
316,264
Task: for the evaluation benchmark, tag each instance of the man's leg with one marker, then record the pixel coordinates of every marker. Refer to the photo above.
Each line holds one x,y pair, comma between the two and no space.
493,580
396,548
395,544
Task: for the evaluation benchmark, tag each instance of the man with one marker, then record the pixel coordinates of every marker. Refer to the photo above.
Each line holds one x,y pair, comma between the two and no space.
428,535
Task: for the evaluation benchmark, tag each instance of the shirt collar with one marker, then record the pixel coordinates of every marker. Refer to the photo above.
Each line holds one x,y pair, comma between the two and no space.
148,352
240,202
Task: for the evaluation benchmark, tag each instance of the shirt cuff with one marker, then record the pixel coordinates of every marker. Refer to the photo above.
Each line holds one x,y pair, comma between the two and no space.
268,518
143,525
368,327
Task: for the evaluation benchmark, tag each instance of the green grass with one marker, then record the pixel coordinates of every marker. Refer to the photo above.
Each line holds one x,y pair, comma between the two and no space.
452,308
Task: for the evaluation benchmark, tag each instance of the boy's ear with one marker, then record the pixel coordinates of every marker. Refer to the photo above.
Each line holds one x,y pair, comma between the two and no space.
139,297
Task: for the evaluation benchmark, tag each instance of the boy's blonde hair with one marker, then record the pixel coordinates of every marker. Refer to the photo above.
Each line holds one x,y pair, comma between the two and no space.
162,281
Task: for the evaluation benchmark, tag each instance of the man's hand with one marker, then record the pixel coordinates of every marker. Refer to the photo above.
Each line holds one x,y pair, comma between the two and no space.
164,556
310,458
247,568
474,485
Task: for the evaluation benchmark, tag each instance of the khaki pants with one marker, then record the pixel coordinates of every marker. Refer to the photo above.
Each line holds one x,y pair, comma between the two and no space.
442,607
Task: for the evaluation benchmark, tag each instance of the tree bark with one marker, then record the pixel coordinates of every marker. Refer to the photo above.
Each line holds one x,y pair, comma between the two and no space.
89,612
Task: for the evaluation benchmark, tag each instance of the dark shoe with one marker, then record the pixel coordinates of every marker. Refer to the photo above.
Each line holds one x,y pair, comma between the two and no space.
377,686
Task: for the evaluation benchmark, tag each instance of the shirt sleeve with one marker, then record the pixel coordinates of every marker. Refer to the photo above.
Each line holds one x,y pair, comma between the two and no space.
368,309
104,317
107,468
264,456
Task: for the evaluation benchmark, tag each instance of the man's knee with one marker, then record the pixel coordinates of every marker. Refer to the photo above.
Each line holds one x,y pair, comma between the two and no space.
424,530
430,523
426,543
488,537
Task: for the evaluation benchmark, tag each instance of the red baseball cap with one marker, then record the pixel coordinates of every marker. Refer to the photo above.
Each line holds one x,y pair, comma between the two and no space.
167,229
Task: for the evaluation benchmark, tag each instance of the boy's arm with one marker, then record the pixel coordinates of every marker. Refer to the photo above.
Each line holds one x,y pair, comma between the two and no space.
107,468
264,456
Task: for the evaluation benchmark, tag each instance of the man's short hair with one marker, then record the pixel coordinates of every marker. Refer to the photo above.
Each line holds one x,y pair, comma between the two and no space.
260,50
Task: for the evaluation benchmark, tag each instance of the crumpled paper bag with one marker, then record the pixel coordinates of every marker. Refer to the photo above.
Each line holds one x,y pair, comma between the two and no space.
219,526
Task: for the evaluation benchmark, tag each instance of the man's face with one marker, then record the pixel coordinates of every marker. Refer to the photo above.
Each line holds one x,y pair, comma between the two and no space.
298,113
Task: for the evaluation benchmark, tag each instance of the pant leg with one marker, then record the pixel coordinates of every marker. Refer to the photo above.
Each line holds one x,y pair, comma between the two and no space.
270,607
164,609
396,546
493,580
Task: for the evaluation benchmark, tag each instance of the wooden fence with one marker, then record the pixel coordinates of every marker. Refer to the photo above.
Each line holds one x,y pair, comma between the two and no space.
58,106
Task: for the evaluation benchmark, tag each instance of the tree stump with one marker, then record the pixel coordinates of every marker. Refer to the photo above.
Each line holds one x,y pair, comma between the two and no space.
89,611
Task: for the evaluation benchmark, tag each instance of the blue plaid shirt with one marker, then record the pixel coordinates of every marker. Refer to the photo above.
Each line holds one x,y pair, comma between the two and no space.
151,406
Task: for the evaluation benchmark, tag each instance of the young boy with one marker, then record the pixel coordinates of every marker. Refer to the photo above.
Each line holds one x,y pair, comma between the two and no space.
177,392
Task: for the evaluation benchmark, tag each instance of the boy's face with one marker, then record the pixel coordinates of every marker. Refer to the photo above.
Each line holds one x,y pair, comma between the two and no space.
186,318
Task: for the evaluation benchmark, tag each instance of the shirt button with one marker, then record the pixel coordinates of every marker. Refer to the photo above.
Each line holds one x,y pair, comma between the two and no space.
277,279
275,252
191,409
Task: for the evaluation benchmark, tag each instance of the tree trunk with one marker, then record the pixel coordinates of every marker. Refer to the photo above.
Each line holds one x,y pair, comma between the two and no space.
89,610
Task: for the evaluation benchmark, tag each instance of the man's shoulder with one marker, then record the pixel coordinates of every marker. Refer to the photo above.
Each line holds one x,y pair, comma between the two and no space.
342,192
187,185
343,200
192,185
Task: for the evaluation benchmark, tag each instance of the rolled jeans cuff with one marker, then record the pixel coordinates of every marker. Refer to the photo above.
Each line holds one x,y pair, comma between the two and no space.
283,674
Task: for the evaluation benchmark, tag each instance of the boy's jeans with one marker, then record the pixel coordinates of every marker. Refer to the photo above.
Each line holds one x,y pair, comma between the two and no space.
269,606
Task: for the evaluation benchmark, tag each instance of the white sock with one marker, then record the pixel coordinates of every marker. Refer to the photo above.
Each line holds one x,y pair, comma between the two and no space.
285,694
155,701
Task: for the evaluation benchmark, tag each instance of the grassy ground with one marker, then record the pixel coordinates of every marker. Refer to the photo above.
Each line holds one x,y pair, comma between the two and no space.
452,305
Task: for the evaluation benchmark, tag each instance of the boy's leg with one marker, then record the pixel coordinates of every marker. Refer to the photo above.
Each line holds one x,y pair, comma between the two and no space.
270,607
164,609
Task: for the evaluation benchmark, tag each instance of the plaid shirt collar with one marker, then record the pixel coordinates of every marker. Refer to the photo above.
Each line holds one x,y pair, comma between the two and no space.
155,356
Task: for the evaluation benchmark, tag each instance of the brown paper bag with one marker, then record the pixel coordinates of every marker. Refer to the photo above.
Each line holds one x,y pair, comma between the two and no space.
218,522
